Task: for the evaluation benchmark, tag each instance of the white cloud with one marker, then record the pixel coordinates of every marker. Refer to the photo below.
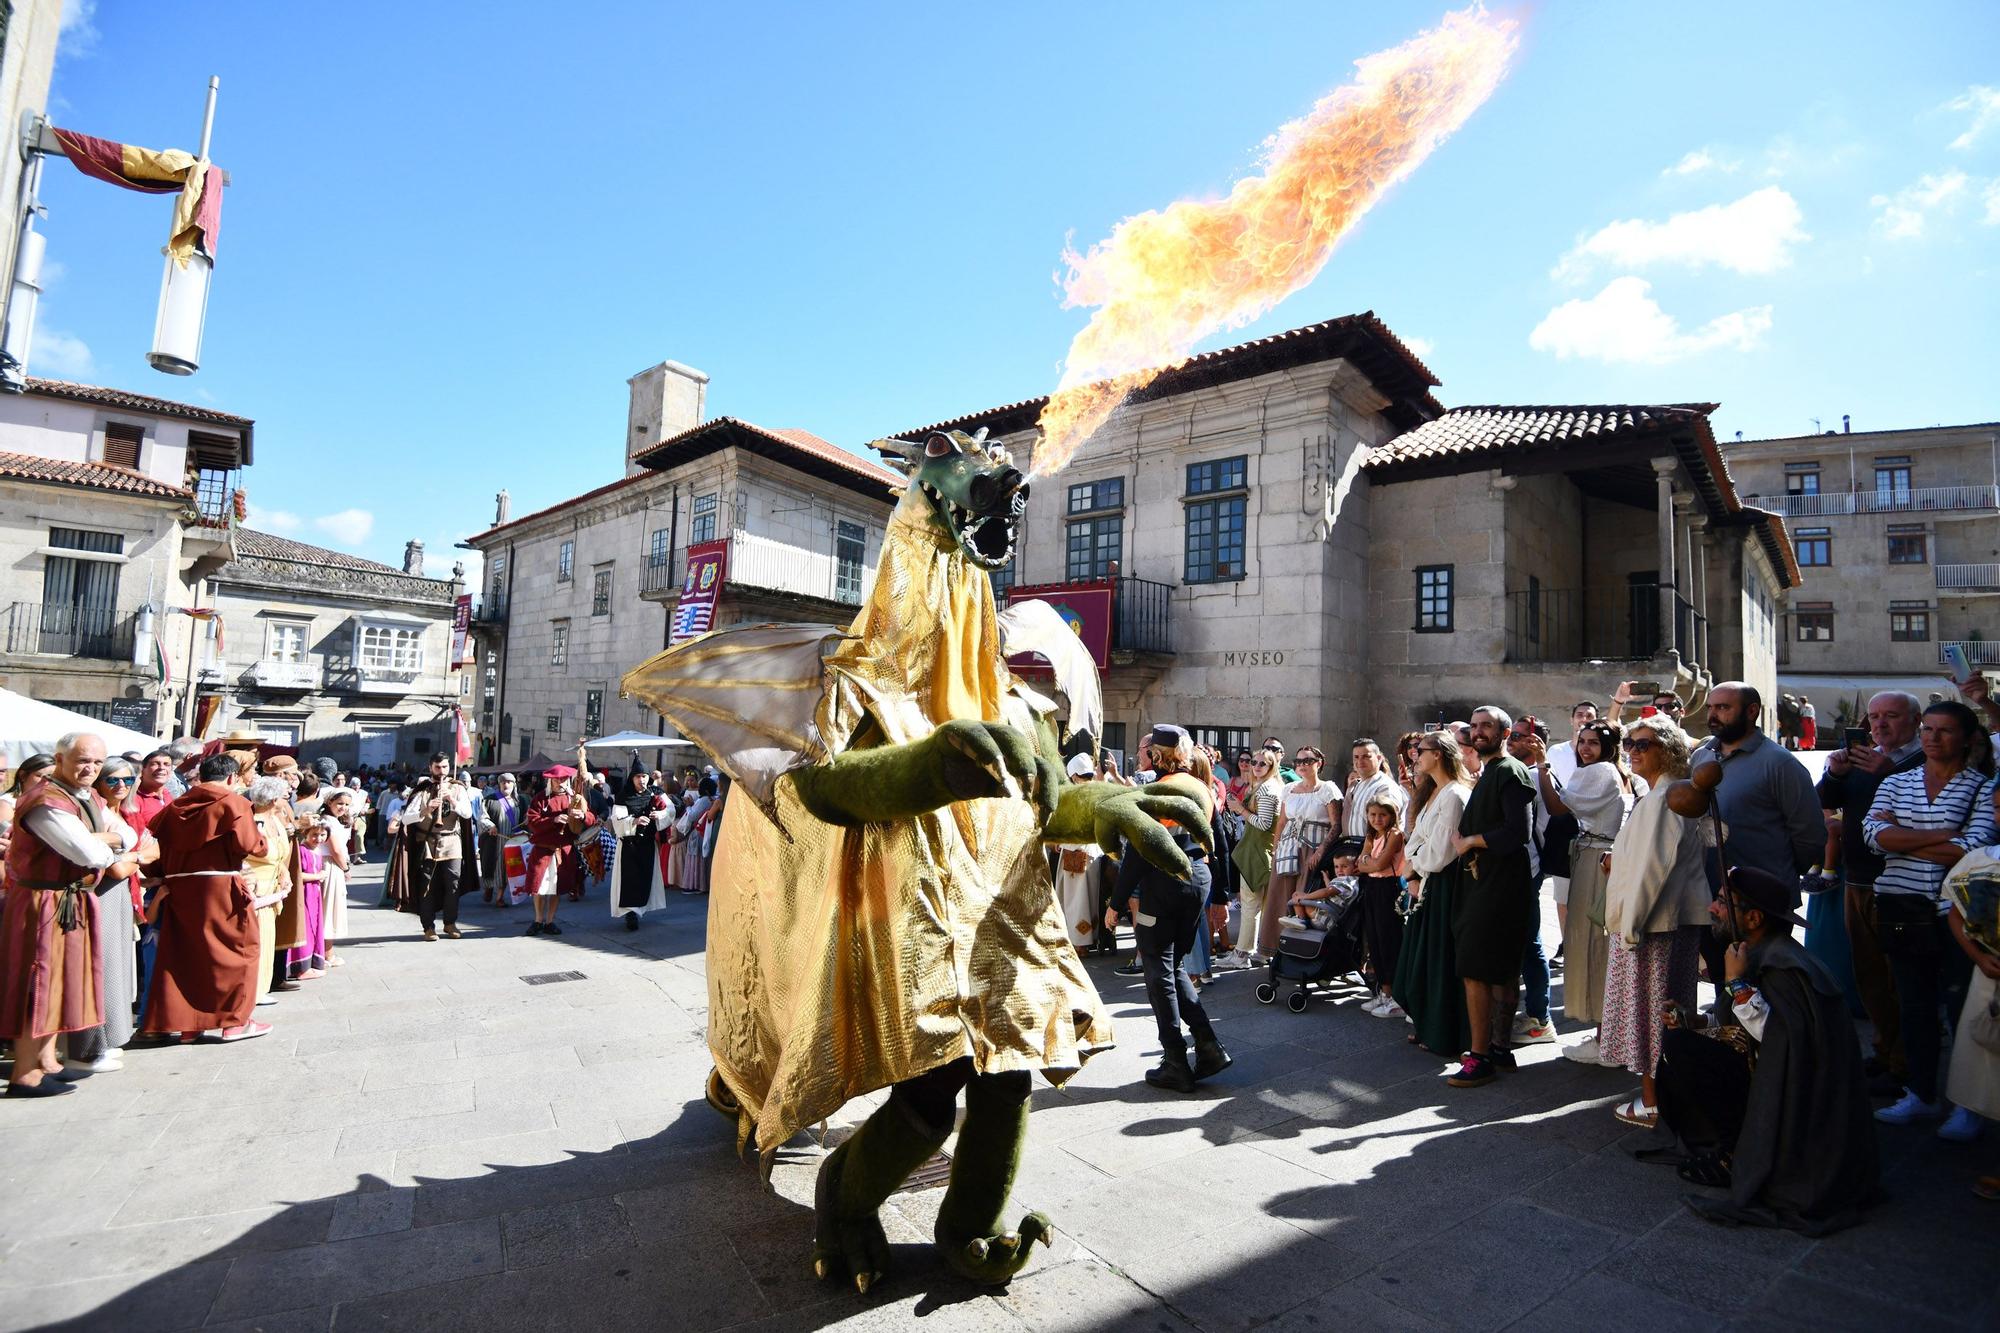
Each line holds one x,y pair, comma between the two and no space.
1623,323
281,521
1423,347
349,527
76,35
59,355
442,554
1905,213
53,272
1699,160
1983,105
1992,201
1752,235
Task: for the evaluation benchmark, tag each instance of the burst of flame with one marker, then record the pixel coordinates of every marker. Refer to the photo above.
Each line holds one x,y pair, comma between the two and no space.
1165,280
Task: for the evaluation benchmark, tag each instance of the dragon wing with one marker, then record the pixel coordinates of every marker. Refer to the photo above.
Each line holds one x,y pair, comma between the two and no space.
745,695
1036,627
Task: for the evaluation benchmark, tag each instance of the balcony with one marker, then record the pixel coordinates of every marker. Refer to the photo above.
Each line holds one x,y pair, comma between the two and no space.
384,680
1619,621
490,609
1979,652
1968,578
1141,613
284,675
1916,500
55,630
763,565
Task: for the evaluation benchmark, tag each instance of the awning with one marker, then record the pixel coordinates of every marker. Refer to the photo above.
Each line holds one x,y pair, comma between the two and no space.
1827,688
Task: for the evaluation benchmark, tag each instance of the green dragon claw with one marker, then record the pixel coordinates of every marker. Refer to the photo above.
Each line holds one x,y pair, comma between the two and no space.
995,1259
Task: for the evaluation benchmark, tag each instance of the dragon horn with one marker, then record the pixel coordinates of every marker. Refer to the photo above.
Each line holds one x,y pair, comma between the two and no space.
901,453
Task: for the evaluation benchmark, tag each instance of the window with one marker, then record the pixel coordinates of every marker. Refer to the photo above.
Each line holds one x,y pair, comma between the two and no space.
565,562
600,591
593,710
1228,740
285,642
1802,478
498,565
391,648
553,726
702,529
79,595
1908,546
1815,623
1095,546
121,443
1892,478
658,547
850,548
1215,525
1909,624
559,643
1090,496
1815,546
1434,606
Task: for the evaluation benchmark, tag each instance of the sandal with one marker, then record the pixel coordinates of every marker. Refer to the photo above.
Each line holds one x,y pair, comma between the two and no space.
246,1032
1638,1114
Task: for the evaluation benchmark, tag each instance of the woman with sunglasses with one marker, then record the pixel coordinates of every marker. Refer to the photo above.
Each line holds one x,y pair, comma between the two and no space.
1427,985
1655,909
1305,824
1257,807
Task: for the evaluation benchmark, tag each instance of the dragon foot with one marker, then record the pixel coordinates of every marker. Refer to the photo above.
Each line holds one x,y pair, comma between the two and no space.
995,1259
845,1246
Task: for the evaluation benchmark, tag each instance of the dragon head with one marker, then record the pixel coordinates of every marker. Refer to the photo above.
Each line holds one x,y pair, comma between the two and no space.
975,493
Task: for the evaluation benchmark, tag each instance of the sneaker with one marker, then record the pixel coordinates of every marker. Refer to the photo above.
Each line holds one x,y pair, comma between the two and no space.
1233,961
1388,1009
1530,1031
551,929
1961,1126
1584,1052
107,1063
1294,923
1504,1061
1909,1110
1474,1071
1135,968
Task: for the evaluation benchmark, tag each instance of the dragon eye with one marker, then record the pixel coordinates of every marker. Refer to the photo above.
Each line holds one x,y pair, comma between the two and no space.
938,446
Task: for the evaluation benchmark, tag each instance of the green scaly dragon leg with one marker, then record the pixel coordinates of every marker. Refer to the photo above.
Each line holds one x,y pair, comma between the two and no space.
969,1232
854,1182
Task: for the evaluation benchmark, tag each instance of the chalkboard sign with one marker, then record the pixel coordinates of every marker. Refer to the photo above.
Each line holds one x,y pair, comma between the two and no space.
140,715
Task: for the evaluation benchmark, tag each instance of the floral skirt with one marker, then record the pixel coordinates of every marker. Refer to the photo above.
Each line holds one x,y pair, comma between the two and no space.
1638,984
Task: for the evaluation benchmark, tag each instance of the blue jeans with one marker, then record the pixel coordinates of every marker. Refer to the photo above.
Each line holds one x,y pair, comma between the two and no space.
1535,964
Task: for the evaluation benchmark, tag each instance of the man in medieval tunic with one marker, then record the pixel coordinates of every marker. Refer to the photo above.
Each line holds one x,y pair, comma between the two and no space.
59,860
205,975
1772,1107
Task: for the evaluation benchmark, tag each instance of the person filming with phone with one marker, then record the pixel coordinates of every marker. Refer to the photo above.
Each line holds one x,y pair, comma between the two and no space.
1888,745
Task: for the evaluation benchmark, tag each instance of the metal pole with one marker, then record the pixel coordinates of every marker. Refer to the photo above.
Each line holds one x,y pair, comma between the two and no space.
208,117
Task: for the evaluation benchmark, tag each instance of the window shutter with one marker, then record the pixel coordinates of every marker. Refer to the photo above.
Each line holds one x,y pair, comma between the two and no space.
121,443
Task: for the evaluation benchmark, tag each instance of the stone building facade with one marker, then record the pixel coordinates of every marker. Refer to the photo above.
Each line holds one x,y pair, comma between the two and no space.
337,655
115,508
580,592
1897,534
1306,544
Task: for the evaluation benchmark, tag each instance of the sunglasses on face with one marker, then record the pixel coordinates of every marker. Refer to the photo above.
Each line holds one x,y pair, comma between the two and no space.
120,782
1639,747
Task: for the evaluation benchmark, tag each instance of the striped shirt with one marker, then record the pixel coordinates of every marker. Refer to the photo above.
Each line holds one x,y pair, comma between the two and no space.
1965,804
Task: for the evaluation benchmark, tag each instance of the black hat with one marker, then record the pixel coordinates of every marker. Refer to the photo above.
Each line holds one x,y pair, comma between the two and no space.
1774,897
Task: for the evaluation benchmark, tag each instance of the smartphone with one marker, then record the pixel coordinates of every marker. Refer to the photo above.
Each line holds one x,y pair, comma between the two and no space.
1643,689
1433,726
1961,666
1857,738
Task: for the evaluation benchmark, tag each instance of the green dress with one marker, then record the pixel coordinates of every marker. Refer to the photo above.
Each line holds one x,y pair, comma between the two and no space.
1427,983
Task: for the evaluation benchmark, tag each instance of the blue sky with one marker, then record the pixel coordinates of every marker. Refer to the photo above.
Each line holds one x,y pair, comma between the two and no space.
454,230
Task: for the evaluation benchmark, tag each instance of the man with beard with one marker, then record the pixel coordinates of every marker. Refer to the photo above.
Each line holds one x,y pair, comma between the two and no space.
1772,1107
1770,813
1491,916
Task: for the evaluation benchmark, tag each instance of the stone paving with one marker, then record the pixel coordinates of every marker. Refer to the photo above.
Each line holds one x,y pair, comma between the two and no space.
428,1142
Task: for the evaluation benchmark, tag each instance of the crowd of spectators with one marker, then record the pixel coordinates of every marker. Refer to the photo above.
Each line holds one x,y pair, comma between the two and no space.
1443,849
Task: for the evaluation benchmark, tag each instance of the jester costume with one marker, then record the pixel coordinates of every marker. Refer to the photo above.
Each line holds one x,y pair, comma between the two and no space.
881,912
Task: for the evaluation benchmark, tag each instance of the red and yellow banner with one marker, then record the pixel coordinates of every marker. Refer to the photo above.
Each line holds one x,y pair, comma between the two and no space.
199,182
1085,607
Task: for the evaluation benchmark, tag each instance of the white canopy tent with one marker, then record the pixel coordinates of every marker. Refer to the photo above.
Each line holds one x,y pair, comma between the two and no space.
29,726
636,740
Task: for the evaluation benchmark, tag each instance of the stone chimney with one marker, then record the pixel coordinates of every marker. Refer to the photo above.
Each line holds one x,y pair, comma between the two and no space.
413,558
502,507
666,400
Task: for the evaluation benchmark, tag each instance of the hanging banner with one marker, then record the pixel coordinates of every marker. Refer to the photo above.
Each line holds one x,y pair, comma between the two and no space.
695,612
461,737
461,628
1084,607
205,709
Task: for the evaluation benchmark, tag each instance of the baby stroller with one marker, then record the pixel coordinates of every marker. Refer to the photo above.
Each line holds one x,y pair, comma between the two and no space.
1327,949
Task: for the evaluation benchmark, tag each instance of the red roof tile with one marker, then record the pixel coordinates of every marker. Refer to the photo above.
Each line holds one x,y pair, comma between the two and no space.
96,476
1472,431
796,448
140,402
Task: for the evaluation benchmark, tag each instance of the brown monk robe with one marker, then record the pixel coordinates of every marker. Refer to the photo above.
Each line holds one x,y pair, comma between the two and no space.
205,975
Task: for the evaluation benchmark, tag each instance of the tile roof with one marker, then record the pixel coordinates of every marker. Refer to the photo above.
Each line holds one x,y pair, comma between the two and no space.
560,505
1363,339
140,402
96,476
1465,432
265,557
675,448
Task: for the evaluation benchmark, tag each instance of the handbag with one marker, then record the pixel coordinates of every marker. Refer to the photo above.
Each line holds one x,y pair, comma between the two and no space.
1906,925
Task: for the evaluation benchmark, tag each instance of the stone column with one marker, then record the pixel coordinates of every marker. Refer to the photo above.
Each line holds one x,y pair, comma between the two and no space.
1663,475
1684,571
1699,554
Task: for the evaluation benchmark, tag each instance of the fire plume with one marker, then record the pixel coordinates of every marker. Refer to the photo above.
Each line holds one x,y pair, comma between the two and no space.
1164,280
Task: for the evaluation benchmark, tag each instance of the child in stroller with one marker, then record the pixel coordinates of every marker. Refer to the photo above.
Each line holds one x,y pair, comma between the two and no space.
1322,938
